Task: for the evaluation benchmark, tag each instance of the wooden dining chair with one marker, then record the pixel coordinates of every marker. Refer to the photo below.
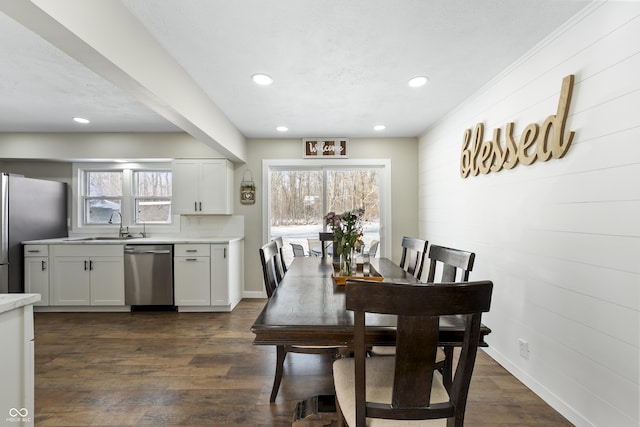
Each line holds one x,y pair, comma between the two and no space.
281,266
326,241
268,257
413,252
453,265
406,386
298,250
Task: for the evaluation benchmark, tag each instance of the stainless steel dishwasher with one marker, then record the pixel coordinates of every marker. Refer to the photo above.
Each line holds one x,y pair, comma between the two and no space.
148,275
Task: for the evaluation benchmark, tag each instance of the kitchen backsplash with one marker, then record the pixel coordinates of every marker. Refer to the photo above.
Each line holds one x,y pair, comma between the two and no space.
211,225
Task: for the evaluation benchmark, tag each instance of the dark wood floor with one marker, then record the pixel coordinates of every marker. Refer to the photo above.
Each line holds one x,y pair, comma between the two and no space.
201,369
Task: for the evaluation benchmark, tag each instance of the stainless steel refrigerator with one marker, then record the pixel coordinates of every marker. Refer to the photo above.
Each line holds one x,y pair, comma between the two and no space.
30,209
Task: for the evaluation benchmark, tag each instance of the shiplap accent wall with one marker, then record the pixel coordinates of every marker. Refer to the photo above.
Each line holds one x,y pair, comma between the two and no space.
561,239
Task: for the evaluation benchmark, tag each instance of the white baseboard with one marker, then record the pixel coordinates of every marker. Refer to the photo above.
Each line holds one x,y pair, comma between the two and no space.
565,410
253,294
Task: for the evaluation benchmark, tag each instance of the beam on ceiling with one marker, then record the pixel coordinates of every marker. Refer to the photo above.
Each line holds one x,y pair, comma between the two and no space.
105,37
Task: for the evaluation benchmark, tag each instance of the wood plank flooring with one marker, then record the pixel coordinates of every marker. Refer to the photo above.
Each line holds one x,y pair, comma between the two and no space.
201,369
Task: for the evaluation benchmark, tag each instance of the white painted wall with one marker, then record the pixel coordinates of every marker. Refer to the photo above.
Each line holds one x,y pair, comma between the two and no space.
560,240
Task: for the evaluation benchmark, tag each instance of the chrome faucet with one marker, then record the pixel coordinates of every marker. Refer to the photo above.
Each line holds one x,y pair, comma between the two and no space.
122,231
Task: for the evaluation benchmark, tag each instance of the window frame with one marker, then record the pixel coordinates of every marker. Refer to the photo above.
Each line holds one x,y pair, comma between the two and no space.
384,165
78,224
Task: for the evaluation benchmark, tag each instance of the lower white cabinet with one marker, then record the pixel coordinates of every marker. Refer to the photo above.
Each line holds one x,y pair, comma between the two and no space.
36,272
191,272
87,275
208,277
17,365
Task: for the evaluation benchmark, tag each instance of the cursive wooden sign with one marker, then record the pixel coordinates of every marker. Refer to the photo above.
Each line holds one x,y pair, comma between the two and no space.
536,142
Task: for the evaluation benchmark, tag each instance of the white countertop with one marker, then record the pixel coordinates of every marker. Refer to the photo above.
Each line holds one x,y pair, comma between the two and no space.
79,240
10,302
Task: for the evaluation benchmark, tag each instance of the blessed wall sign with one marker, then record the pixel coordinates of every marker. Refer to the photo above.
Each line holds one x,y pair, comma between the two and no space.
537,142
323,148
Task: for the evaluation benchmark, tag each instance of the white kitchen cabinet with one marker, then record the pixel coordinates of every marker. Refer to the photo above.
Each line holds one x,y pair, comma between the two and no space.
17,359
202,186
107,280
87,275
226,273
36,272
191,272
217,289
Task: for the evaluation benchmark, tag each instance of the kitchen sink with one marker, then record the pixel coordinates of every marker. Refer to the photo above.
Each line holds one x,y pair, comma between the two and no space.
86,239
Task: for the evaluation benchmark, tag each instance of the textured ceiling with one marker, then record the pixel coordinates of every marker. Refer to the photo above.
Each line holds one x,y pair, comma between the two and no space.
339,67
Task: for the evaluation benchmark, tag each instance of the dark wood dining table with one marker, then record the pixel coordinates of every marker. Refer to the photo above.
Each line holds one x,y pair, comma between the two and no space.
308,308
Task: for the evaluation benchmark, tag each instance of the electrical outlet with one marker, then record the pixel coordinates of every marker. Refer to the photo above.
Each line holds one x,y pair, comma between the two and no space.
524,349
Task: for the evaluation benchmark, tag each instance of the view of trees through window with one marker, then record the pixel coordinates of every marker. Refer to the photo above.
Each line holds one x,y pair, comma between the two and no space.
152,195
148,199
301,198
104,195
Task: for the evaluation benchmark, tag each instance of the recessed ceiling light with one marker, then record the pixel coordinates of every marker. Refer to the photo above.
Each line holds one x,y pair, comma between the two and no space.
262,79
418,81
81,120
379,127
282,128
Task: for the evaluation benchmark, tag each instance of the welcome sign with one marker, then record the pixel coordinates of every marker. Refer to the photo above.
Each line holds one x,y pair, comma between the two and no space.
323,148
537,142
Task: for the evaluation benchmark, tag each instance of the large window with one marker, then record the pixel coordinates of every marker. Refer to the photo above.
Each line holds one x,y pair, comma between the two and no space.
300,196
136,194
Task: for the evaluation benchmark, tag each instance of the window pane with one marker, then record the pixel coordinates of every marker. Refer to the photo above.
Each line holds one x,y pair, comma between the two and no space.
152,183
297,214
154,211
296,208
352,189
99,211
104,184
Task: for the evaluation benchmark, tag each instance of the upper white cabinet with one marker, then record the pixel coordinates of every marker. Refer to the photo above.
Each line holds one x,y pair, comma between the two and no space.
202,187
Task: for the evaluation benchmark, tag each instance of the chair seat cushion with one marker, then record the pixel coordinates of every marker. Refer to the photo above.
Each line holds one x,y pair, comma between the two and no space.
380,371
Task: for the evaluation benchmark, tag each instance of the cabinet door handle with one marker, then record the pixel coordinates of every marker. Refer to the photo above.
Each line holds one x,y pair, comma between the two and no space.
33,251
225,253
191,250
86,265
195,206
200,203
190,259
90,265
44,265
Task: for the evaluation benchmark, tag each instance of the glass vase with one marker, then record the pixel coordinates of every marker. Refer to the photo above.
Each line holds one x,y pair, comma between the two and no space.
347,262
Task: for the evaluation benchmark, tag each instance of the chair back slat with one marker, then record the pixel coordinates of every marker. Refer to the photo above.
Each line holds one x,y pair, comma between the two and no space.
414,251
417,338
268,257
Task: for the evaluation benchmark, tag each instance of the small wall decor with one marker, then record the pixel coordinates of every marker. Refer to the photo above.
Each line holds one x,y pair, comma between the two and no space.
318,148
537,142
247,189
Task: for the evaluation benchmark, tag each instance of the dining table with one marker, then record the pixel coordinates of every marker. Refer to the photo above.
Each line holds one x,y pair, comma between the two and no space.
308,308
